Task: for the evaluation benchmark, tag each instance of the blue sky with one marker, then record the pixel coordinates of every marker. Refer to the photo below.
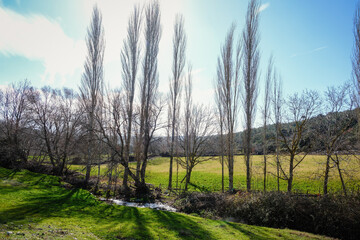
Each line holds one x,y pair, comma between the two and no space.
311,41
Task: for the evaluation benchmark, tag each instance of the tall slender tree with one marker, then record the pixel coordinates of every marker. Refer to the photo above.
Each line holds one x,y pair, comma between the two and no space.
266,113
251,60
92,80
277,103
149,110
179,46
130,55
187,122
220,119
228,81
356,60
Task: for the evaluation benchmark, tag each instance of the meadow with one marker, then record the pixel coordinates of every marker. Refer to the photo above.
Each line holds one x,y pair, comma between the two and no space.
206,176
38,206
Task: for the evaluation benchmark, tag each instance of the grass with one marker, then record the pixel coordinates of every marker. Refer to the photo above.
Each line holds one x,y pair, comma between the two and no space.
37,206
207,175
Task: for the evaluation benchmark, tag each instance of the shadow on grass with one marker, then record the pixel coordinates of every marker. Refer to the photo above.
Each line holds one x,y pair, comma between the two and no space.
256,234
111,221
199,188
7,173
185,227
107,221
39,205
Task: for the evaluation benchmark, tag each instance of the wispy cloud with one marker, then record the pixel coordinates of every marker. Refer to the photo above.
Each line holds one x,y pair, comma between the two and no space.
39,38
197,71
263,7
309,52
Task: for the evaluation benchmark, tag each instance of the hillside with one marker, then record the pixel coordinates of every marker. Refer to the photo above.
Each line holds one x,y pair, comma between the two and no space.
313,134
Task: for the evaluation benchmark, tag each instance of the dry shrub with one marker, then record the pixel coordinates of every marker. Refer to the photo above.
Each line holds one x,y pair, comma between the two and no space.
334,215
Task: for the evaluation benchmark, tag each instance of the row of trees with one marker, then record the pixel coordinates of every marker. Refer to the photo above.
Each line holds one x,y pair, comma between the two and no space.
237,83
60,124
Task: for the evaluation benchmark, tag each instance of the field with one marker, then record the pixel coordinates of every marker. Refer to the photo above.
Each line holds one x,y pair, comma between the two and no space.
37,206
207,175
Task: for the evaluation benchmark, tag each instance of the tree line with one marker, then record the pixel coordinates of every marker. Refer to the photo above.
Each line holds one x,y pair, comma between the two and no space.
55,125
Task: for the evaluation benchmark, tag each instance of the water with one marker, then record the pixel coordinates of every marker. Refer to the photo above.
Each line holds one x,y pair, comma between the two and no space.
156,206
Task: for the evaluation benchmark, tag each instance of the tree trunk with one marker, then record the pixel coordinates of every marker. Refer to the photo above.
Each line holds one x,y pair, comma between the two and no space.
222,172
247,159
341,176
177,173
277,159
188,177
231,173
326,177
170,171
172,146
291,173
265,172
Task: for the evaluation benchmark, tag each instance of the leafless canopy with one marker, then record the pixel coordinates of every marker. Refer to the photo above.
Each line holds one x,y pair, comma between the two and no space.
92,80
228,83
179,46
300,109
356,55
251,58
266,112
130,55
149,111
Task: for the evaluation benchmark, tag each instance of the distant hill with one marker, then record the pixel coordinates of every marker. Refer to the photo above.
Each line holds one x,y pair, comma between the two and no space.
313,135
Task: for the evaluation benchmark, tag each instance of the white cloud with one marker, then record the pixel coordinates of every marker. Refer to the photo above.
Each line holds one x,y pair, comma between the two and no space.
263,7
38,38
309,52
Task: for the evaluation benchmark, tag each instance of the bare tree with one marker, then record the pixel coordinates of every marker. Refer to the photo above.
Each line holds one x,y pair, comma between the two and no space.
130,55
14,124
179,46
334,128
301,109
112,129
356,58
220,119
228,79
149,107
56,118
187,120
277,104
250,79
92,80
266,113
197,132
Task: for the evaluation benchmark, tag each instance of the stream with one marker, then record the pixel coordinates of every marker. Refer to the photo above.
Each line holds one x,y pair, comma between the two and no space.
156,206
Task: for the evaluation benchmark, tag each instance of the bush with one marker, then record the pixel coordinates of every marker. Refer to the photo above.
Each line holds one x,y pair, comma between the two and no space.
335,216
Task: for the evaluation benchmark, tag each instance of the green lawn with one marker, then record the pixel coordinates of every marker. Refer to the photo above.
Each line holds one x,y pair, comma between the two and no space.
37,206
207,175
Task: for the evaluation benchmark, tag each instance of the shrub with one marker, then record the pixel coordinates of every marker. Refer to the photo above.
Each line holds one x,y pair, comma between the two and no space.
335,216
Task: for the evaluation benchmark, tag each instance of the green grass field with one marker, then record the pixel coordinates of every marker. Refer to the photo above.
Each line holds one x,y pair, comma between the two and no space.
37,206
207,176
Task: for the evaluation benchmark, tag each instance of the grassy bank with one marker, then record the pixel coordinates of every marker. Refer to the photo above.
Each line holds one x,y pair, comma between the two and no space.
207,175
37,206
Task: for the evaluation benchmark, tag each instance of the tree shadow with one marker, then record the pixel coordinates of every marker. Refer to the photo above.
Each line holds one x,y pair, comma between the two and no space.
200,188
107,220
184,227
256,234
39,205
